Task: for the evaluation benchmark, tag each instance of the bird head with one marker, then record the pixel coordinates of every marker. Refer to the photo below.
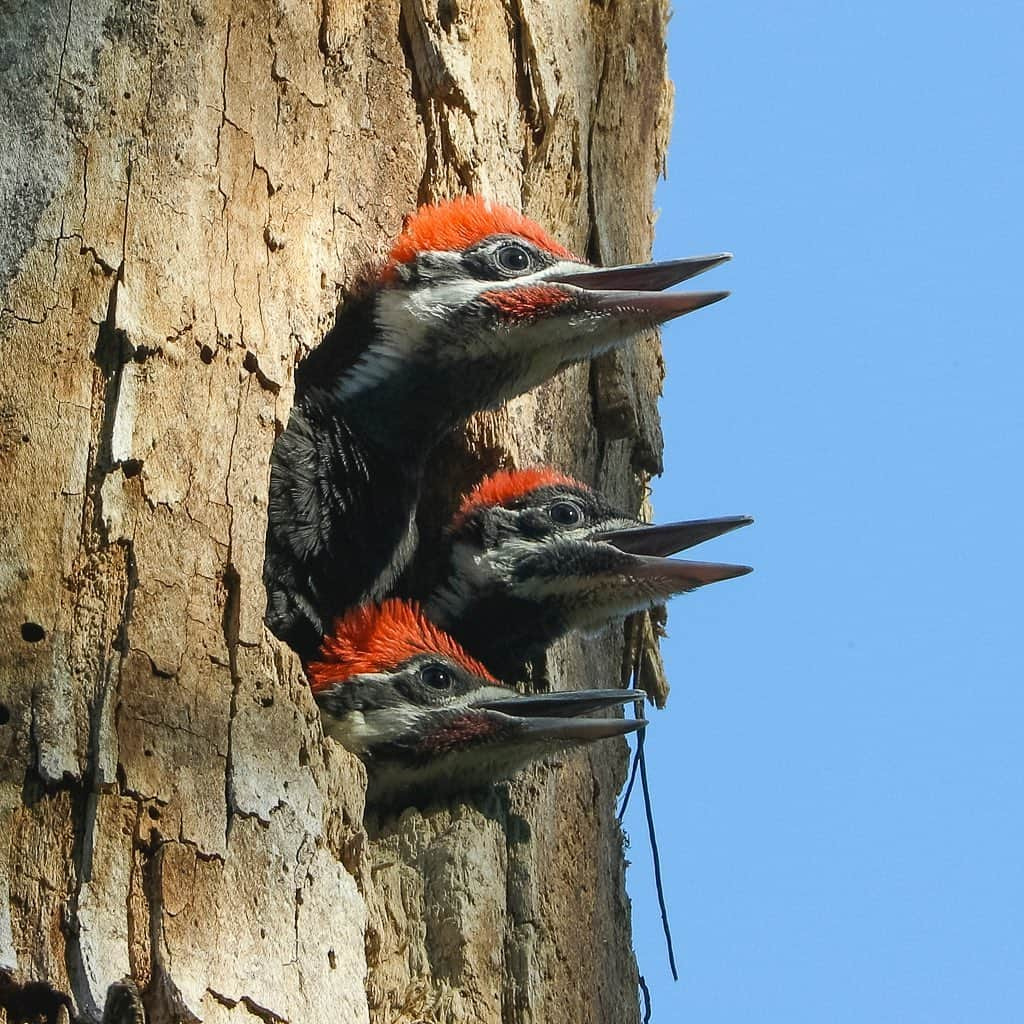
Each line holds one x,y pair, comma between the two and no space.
427,719
477,303
545,541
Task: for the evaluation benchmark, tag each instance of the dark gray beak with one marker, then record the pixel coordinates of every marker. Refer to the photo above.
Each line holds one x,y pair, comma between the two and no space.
578,730
672,537
649,546
685,575
554,716
564,704
644,277
639,289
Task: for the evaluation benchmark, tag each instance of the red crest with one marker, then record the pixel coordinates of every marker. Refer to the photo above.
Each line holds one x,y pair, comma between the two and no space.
459,223
509,485
379,638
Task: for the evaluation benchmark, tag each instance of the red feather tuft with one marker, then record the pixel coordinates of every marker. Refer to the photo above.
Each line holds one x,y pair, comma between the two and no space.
509,485
529,302
460,732
379,638
459,223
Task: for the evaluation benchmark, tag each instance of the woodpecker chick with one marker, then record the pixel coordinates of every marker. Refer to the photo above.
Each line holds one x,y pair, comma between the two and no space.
536,554
428,720
476,304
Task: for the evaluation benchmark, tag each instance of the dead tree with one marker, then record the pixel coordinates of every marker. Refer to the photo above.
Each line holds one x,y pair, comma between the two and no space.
187,189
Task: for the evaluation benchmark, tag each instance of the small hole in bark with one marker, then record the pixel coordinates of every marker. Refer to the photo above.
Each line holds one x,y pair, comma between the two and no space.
154,813
147,752
206,354
250,362
332,959
25,438
131,467
5,714
32,632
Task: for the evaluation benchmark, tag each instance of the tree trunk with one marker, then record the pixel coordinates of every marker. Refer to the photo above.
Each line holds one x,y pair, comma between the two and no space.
186,187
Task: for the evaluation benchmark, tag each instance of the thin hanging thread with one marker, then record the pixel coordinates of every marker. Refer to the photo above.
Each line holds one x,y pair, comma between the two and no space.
647,1000
640,762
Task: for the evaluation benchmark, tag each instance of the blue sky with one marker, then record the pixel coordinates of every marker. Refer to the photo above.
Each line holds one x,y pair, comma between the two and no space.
838,778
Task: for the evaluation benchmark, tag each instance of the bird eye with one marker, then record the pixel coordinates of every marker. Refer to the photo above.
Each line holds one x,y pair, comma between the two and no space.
437,677
513,258
565,513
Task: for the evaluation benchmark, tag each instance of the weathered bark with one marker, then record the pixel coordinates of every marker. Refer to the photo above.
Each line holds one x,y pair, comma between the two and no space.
186,186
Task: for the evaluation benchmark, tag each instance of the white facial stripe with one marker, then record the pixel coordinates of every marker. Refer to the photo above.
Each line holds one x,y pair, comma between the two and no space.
473,570
360,731
401,556
468,574
404,313
406,316
591,602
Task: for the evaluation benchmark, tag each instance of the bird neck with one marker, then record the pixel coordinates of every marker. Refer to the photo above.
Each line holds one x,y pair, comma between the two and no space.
417,378
406,415
378,383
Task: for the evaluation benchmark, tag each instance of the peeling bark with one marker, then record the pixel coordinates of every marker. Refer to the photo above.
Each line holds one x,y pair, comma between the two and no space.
187,188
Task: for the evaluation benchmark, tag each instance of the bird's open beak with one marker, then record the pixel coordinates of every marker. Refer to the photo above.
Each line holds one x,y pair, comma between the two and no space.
649,546
554,716
640,288
564,704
